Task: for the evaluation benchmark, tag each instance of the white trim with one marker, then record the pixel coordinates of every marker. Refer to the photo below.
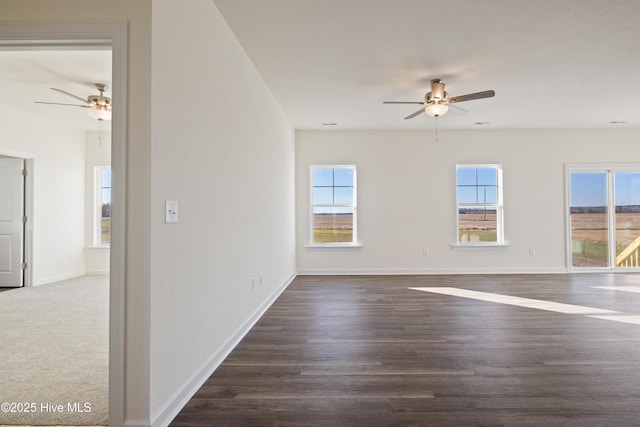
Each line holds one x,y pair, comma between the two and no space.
334,245
17,153
170,409
29,35
426,271
29,211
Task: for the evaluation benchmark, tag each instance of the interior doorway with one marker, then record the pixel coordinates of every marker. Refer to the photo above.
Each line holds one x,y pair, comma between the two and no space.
53,35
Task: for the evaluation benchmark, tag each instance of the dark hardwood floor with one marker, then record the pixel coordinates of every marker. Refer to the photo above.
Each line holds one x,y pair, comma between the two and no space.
369,351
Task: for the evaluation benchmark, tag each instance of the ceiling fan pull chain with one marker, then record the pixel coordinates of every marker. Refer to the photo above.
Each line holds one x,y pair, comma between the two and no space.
436,129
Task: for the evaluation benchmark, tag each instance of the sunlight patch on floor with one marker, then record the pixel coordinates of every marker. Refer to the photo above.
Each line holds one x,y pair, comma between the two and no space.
619,288
596,313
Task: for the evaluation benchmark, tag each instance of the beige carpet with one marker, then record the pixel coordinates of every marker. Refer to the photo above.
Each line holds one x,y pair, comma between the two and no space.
54,353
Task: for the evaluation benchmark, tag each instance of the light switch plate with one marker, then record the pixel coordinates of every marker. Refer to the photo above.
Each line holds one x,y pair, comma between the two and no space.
170,212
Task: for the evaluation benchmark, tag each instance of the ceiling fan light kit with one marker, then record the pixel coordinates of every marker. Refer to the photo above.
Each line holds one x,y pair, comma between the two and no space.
436,110
99,113
435,102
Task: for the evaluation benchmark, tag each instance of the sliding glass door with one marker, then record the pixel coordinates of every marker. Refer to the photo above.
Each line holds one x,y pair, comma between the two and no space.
604,218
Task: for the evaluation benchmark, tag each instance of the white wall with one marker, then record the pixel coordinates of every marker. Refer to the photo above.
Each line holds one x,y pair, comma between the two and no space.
98,153
406,196
223,149
58,221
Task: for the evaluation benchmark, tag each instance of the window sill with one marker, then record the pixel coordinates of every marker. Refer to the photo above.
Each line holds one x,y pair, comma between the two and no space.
97,248
478,246
333,245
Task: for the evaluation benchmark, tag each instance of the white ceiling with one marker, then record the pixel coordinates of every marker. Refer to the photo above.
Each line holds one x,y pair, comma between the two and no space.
27,76
553,64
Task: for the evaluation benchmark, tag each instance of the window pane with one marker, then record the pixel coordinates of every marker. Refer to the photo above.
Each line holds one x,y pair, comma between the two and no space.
105,224
323,195
333,225
466,176
467,195
106,195
627,219
487,194
104,214
106,178
487,176
589,219
477,225
588,189
343,196
343,177
323,177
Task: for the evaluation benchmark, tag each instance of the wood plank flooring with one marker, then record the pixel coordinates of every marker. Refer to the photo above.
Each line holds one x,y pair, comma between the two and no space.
369,351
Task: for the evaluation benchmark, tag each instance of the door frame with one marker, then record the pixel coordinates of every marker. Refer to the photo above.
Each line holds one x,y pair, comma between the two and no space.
608,168
30,35
28,194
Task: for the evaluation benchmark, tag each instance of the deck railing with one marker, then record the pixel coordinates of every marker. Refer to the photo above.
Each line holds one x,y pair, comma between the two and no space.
630,257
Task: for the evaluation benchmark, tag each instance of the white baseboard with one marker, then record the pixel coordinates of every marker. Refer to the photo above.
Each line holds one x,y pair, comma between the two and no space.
425,271
97,272
59,278
176,402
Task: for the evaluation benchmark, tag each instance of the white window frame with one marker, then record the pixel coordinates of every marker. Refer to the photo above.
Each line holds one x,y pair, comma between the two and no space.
97,206
354,207
499,205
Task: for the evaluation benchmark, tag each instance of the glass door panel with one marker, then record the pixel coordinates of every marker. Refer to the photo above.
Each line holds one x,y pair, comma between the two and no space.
589,219
627,219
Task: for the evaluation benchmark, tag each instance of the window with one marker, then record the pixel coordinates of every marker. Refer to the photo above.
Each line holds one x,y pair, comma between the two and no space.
102,227
479,204
333,205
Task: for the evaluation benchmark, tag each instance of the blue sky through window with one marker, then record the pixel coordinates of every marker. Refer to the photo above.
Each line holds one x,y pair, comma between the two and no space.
106,186
627,188
477,185
590,188
333,186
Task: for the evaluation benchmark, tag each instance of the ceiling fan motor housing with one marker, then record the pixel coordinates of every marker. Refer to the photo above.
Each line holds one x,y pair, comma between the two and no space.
100,101
437,93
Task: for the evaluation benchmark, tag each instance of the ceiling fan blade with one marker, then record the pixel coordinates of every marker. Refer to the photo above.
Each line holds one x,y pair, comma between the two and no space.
58,103
411,116
472,96
403,102
71,95
457,111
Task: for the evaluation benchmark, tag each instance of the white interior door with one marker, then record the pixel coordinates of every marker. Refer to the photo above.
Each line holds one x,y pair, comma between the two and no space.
11,225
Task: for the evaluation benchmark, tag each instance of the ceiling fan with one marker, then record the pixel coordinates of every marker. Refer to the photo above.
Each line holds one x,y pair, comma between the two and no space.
98,106
436,103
